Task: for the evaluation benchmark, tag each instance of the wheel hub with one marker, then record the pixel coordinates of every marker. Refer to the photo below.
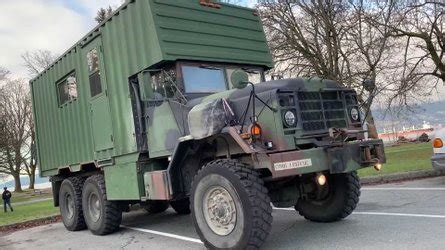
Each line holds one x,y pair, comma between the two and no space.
219,210
69,206
94,207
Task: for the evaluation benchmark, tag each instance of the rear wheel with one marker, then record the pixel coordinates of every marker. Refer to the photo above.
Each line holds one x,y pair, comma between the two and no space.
155,207
181,206
101,215
333,201
70,202
230,206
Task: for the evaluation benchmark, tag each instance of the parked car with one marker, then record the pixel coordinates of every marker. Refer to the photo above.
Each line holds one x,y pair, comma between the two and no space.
438,159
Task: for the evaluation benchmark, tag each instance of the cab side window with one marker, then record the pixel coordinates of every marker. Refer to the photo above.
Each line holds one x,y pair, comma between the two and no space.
94,72
163,83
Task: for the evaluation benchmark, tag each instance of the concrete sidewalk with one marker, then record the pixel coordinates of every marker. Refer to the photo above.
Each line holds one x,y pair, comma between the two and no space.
29,202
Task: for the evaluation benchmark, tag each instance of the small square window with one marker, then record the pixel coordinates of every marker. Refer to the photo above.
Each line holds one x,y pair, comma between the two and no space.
67,88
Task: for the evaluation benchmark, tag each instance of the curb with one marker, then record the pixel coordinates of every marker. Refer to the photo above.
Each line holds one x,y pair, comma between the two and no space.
372,180
29,224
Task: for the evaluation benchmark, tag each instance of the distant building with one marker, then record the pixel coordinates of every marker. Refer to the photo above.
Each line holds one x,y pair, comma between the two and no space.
409,133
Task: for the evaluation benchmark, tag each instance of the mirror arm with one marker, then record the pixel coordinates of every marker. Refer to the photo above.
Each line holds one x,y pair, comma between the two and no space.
261,100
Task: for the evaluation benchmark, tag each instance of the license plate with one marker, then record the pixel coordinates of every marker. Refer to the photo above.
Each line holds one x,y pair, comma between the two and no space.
292,164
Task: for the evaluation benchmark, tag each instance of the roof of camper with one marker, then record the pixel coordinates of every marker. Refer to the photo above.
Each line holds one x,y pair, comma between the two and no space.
96,31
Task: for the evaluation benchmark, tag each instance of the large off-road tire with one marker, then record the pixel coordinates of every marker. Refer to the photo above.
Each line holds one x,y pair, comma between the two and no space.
230,206
101,215
70,203
333,201
155,207
181,206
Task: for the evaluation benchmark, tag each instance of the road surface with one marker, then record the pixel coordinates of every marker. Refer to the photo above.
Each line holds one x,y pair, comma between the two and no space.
407,215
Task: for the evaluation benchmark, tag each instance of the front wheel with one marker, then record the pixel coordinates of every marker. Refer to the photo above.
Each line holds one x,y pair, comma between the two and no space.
230,206
101,215
333,201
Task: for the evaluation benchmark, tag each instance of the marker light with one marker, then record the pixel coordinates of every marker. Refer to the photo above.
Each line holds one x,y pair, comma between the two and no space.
321,179
255,130
378,166
437,143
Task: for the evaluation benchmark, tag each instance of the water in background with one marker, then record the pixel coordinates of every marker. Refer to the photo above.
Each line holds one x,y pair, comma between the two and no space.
41,183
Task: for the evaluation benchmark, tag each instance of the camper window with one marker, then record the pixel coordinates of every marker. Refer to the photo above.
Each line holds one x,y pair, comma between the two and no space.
67,88
94,72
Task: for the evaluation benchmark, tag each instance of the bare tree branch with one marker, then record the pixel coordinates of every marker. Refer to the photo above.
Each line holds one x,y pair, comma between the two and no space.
37,61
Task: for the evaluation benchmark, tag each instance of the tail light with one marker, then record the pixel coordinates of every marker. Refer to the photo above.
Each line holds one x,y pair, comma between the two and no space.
437,143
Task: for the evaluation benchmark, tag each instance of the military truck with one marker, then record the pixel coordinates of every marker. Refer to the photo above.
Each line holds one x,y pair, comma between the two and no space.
165,103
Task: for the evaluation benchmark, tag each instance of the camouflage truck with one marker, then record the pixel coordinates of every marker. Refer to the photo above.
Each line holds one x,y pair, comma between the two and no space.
165,103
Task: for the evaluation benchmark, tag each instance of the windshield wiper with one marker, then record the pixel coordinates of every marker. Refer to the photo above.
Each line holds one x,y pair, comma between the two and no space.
209,67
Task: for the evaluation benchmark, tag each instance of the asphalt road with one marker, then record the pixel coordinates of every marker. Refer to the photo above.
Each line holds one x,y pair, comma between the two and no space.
407,215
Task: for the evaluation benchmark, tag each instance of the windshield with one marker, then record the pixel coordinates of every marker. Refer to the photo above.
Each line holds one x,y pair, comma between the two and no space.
203,80
255,76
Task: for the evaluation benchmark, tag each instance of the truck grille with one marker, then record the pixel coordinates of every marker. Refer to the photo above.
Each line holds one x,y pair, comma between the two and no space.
322,110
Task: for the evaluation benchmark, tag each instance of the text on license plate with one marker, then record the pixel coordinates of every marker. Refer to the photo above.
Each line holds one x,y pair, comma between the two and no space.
292,164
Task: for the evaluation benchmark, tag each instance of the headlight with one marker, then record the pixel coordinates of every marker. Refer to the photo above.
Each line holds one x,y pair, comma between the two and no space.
354,114
289,118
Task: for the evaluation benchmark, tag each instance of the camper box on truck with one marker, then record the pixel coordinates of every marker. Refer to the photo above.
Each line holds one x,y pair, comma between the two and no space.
165,103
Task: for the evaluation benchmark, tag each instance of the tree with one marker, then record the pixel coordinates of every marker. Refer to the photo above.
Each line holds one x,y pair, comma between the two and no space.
30,158
103,14
420,26
3,74
15,133
36,61
333,40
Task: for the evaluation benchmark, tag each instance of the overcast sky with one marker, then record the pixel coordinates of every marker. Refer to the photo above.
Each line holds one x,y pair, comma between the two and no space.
55,25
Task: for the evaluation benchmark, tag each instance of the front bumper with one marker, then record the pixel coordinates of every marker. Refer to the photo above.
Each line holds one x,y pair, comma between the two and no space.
438,161
338,158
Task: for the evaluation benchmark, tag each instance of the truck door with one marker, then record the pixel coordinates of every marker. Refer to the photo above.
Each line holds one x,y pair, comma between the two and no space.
102,129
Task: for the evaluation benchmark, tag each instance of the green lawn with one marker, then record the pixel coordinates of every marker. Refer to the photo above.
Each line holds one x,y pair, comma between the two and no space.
28,195
403,158
28,212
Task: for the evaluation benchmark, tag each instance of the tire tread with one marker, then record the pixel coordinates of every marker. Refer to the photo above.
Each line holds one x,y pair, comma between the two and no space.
258,197
77,183
352,182
113,212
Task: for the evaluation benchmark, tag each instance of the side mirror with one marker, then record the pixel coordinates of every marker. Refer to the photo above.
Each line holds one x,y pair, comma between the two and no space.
239,79
145,87
368,85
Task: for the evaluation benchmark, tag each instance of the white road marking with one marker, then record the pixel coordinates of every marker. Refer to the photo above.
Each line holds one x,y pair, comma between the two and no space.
284,208
379,213
195,240
401,214
403,188
175,236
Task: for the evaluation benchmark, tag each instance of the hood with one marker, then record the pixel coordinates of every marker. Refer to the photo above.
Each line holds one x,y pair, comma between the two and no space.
291,84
